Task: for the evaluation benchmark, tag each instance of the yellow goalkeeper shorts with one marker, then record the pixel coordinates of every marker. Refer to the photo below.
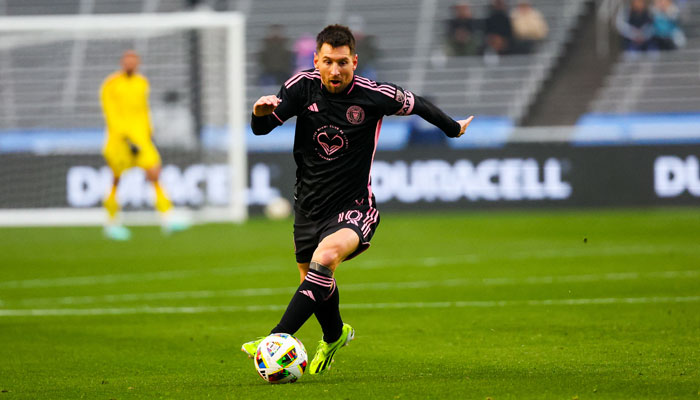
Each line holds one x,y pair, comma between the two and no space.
122,154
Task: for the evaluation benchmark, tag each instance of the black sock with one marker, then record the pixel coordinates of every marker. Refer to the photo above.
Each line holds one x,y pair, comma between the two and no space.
312,292
328,315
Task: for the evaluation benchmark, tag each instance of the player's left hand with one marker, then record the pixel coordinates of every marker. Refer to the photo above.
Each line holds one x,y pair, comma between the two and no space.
464,123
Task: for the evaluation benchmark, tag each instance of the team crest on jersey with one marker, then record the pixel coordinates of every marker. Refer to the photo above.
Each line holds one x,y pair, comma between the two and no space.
330,141
400,97
355,115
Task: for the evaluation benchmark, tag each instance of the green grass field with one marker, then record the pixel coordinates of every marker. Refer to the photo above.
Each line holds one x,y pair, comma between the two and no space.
501,305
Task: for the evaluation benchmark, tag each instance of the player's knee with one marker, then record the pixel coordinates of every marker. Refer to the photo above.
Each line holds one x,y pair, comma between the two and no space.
329,256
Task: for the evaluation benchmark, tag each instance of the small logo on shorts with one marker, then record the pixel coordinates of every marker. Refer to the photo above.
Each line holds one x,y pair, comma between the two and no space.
355,115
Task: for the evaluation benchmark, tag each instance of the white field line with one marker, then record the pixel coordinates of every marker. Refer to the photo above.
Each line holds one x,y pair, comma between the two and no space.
356,306
353,287
523,255
590,251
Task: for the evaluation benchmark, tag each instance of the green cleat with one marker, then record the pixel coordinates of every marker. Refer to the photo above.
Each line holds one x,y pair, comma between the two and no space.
325,351
251,347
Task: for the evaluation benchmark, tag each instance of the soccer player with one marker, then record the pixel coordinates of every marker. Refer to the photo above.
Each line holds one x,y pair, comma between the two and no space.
339,116
124,98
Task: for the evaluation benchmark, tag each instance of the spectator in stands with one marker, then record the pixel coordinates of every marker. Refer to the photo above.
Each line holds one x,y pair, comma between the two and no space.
668,34
498,31
461,31
275,58
304,48
529,27
365,48
634,23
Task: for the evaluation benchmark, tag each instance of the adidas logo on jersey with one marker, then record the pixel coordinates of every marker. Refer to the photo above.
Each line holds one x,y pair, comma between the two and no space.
313,107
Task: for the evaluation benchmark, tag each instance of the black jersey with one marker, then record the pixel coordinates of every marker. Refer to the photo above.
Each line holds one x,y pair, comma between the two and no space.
336,136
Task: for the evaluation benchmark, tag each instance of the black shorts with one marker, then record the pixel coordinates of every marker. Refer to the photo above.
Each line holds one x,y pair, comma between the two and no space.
308,233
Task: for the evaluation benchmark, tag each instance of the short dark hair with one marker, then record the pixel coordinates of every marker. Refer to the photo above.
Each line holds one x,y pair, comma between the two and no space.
336,36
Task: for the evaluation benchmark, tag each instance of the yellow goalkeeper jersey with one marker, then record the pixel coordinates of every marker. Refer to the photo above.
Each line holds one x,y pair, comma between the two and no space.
125,105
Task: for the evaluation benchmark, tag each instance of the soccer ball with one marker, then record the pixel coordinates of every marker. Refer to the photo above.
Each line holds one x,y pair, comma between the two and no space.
278,208
280,358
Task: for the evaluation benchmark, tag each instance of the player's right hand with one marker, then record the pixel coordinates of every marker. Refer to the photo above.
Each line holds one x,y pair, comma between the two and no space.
266,105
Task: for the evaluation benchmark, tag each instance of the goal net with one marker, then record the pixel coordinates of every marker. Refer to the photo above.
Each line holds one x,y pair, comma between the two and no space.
52,126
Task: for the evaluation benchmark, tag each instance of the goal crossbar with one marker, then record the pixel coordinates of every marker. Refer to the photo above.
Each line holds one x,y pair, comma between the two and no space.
156,21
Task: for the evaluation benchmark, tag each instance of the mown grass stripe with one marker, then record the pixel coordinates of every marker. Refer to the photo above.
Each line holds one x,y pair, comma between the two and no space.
355,306
355,287
367,263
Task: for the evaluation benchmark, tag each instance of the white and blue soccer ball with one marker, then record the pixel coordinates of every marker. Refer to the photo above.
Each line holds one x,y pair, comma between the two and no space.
280,358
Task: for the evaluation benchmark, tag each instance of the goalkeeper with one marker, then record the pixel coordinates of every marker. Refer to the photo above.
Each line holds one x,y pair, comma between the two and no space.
124,98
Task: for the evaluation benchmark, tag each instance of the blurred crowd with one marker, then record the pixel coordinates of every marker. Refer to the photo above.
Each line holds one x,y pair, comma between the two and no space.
645,26
504,30
279,58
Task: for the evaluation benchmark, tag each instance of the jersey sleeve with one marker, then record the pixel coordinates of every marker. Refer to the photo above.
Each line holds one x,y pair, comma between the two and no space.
110,108
147,107
405,102
291,94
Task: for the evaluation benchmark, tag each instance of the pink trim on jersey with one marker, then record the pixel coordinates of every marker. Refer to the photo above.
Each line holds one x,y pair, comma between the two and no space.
382,90
278,118
374,83
370,84
352,87
296,78
369,179
386,90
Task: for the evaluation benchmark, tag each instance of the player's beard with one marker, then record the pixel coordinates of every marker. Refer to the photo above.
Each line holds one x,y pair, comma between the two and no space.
337,84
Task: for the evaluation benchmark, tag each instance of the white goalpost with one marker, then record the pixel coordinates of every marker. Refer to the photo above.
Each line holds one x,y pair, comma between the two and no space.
51,124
